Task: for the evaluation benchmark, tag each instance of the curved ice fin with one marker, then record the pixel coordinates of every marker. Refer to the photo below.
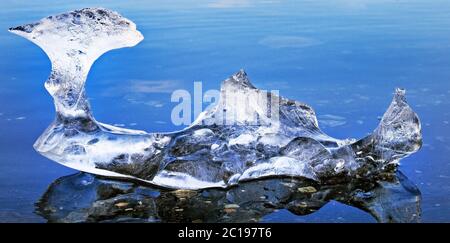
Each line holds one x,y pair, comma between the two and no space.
397,135
73,41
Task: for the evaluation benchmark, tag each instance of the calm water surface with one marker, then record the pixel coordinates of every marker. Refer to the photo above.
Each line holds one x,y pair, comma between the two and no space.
342,57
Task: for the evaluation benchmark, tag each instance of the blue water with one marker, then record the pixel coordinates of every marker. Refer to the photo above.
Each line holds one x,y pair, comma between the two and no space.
342,57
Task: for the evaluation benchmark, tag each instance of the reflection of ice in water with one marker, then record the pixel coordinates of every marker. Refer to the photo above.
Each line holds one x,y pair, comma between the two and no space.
391,199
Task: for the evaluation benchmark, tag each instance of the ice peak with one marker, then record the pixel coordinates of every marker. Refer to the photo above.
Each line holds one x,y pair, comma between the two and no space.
239,79
400,95
241,74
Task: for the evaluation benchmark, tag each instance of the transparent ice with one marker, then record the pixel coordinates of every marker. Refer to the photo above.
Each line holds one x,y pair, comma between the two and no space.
205,154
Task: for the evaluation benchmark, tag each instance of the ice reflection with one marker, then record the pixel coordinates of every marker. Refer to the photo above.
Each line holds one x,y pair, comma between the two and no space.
84,197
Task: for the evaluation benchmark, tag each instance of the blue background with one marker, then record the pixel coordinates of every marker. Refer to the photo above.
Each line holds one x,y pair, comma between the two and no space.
342,57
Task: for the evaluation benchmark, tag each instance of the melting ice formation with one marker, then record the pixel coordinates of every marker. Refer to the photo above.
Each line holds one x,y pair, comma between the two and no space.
201,155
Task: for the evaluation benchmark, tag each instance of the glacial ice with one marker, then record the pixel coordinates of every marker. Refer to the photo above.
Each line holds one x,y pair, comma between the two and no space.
289,142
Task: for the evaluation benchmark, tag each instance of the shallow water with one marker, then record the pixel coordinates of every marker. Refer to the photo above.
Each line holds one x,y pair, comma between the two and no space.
342,57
